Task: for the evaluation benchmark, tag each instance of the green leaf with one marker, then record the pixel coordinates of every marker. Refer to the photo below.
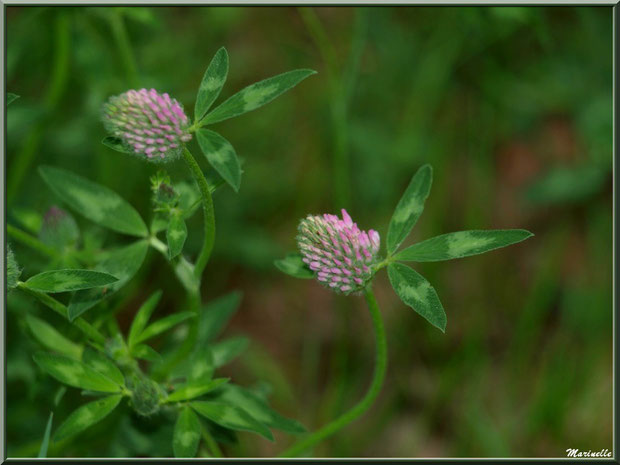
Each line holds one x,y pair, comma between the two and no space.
122,263
215,315
49,337
10,98
186,434
231,417
256,95
163,325
225,351
257,408
86,416
212,83
95,202
142,317
201,366
417,292
176,235
221,156
144,352
116,144
103,365
292,265
74,373
69,280
192,390
46,438
409,208
461,244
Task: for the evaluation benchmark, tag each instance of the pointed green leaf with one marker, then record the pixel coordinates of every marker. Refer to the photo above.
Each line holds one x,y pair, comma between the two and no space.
10,98
257,95
229,349
74,373
201,366
95,202
461,244
86,416
176,235
46,437
221,156
69,280
122,263
49,337
163,325
192,390
231,417
144,352
186,434
417,292
142,317
212,83
103,365
257,408
116,144
292,265
216,314
409,208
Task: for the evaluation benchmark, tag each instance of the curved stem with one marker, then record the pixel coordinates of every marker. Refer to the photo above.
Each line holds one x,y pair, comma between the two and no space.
207,206
372,393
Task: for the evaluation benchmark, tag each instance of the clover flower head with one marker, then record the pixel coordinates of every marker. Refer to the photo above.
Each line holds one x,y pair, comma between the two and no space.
337,251
148,123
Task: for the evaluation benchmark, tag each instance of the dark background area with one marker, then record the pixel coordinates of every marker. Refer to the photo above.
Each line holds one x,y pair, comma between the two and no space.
512,106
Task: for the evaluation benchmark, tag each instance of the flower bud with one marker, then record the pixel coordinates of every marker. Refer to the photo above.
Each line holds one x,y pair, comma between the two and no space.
337,251
148,123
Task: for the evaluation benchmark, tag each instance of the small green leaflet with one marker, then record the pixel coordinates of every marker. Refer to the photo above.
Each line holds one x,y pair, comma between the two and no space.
86,416
69,280
176,235
215,315
144,352
201,366
193,390
116,144
74,373
409,208
163,325
10,98
142,317
122,263
292,265
46,438
212,83
257,408
221,156
103,365
461,244
229,349
256,95
186,434
416,292
230,416
93,201
49,337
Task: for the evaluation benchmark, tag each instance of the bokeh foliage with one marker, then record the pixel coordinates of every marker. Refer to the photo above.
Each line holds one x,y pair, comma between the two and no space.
512,107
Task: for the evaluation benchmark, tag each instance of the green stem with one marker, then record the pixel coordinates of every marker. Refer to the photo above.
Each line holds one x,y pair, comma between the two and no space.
32,242
124,47
59,308
207,206
372,393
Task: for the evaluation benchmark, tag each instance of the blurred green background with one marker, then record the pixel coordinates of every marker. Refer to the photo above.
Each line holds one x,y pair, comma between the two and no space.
511,105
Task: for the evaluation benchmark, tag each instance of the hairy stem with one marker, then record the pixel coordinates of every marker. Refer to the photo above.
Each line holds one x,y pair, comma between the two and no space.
372,393
212,446
207,206
59,308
